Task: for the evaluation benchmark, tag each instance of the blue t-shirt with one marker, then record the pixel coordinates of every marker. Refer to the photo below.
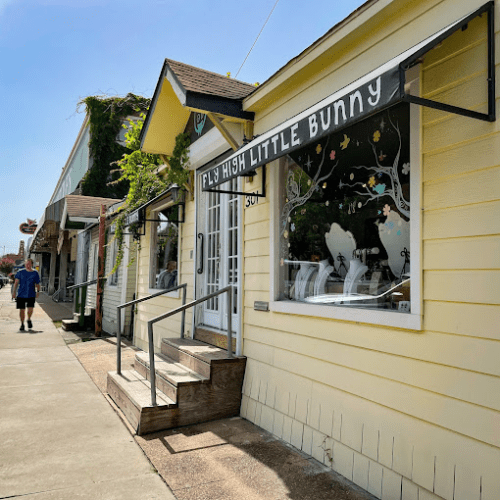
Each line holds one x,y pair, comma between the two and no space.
27,282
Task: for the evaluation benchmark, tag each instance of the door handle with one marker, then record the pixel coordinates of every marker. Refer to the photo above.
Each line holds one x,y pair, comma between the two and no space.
200,259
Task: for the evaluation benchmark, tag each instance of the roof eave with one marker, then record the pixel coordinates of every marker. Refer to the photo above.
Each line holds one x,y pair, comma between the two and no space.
216,104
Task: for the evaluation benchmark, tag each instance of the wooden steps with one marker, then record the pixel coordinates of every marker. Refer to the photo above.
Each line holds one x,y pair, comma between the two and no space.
195,382
132,393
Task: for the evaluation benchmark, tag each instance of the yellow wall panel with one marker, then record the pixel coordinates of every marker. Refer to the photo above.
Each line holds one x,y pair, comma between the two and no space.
476,187
475,388
472,220
259,352
437,134
257,265
256,282
458,42
256,248
481,287
462,253
458,351
476,154
257,231
469,420
257,213
470,61
476,320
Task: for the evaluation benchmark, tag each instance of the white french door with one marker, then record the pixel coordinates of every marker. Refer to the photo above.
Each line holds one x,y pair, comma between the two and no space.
218,254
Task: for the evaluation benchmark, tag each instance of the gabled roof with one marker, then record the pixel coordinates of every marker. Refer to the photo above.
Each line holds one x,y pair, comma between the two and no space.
206,82
181,89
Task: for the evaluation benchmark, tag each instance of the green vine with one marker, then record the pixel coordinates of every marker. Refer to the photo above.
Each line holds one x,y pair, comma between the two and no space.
140,171
177,172
106,117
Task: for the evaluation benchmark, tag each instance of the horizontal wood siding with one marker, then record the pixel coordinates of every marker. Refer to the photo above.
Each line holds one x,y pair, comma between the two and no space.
113,293
90,302
403,414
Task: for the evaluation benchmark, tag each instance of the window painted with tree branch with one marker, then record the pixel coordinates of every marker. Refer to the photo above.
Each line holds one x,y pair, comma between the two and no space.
345,216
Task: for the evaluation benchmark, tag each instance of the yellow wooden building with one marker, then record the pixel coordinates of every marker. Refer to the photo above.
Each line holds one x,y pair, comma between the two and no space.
353,202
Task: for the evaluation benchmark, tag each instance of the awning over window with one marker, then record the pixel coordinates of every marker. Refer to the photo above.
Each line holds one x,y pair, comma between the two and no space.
70,212
370,94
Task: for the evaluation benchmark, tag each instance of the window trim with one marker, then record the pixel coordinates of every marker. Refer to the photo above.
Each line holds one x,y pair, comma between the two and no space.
113,279
151,213
409,321
95,261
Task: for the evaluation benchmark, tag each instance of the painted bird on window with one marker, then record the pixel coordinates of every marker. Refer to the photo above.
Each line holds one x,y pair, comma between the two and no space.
345,142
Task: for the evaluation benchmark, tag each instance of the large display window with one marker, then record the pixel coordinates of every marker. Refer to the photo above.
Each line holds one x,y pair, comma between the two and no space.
344,221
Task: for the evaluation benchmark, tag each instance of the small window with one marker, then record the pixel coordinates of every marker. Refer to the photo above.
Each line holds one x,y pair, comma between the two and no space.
95,267
165,235
344,227
113,279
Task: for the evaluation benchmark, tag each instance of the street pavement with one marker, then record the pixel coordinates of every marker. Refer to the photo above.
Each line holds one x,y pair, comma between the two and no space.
59,437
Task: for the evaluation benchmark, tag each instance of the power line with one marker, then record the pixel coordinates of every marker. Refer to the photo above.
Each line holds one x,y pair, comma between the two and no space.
272,10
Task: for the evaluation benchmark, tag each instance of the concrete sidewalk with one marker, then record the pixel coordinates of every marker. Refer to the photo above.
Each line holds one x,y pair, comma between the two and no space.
59,437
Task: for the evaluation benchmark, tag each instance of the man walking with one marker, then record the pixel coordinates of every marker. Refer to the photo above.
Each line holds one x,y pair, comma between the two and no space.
28,282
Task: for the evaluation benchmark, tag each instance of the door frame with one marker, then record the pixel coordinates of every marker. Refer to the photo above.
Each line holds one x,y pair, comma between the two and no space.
236,325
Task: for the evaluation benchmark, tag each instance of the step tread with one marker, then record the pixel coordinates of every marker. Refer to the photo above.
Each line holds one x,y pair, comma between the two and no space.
139,389
198,349
174,372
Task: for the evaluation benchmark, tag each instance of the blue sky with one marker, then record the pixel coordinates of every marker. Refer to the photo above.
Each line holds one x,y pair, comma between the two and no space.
55,52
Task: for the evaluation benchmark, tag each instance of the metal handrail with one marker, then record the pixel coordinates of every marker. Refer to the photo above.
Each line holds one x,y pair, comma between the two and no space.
136,301
80,308
228,289
80,285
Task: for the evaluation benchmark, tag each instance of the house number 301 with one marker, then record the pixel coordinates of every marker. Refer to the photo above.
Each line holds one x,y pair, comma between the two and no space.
251,200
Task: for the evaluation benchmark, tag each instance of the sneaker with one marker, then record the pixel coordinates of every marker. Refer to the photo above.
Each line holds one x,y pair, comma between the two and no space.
21,329
30,324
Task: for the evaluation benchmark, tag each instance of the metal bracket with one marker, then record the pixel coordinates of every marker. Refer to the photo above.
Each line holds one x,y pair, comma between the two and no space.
491,115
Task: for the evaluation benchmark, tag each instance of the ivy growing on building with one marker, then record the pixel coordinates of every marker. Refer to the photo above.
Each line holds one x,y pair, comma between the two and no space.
106,118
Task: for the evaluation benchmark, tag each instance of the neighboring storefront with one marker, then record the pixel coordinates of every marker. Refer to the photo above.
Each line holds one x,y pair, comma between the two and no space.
119,287
360,229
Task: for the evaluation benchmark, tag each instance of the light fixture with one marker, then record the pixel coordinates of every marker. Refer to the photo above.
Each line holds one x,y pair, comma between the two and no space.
174,191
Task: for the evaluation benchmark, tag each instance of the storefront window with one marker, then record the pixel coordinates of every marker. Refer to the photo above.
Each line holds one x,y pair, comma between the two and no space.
164,253
345,217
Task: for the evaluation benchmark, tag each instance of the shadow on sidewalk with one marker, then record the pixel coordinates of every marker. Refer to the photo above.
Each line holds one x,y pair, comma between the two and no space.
224,459
57,311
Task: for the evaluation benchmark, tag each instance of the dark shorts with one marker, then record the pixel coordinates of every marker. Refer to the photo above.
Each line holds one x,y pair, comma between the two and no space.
22,303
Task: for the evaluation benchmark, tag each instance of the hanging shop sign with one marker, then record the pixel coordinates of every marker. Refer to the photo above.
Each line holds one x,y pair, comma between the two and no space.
327,116
28,227
374,92
197,126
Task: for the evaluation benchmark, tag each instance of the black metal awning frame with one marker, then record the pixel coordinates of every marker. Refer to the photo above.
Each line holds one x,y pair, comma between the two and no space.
405,65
